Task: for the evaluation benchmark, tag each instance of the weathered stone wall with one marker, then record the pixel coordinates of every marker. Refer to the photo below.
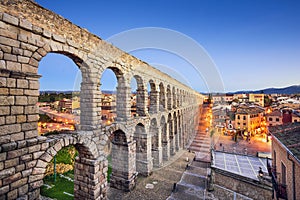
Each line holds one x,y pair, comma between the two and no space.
28,33
228,184
226,194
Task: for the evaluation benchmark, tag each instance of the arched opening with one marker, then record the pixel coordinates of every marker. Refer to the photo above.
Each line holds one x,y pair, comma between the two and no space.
169,98
143,150
59,99
108,87
156,143
162,97
139,97
59,175
68,181
152,97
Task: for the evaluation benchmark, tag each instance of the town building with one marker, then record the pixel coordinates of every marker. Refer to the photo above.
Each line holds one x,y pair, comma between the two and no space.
220,115
250,119
222,98
242,98
285,169
257,98
274,118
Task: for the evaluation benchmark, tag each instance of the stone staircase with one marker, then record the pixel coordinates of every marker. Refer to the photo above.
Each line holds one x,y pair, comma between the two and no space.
201,147
194,181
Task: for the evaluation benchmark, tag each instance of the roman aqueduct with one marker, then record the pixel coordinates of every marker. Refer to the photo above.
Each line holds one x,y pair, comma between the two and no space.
28,33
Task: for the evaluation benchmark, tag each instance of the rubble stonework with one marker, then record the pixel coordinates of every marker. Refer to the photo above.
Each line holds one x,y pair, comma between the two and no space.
28,33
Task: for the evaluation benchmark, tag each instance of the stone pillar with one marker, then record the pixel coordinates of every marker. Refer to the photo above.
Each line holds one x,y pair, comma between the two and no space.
124,173
90,106
165,143
166,150
154,102
169,99
123,103
157,155
144,164
90,178
172,138
180,138
19,141
141,102
177,145
174,99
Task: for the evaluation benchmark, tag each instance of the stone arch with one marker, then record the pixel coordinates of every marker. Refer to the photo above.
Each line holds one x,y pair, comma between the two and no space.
120,112
143,150
162,97
153,97
85,164
88,84
26,41
139,101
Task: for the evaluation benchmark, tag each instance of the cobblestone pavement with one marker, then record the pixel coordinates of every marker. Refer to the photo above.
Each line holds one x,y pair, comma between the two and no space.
162,181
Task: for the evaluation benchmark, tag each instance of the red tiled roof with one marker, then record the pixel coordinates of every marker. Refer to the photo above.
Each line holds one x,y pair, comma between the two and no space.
289,136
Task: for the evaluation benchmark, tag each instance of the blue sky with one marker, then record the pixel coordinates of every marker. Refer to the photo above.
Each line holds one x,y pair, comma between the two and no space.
255,44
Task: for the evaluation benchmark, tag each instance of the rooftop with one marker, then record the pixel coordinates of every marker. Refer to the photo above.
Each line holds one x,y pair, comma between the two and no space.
275,113
249,110
243,165
289,136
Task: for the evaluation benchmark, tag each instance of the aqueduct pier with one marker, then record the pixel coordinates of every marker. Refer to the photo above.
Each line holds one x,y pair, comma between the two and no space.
28,33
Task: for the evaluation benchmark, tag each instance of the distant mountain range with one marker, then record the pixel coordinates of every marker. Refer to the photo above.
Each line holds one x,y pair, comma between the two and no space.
295,89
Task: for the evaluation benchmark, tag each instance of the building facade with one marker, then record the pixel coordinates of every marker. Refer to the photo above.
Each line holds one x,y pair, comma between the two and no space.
257,98
285,169
250,119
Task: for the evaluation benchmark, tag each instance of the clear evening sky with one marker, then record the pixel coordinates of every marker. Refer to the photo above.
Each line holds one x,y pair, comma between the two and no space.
255,44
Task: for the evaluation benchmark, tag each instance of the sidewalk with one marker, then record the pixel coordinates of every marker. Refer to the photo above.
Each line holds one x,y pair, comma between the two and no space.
159,185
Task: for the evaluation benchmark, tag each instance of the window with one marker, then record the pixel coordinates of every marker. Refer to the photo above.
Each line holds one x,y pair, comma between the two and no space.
238,117
270,119
283,173
295,120
239,123
244,117
277,119
244,124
